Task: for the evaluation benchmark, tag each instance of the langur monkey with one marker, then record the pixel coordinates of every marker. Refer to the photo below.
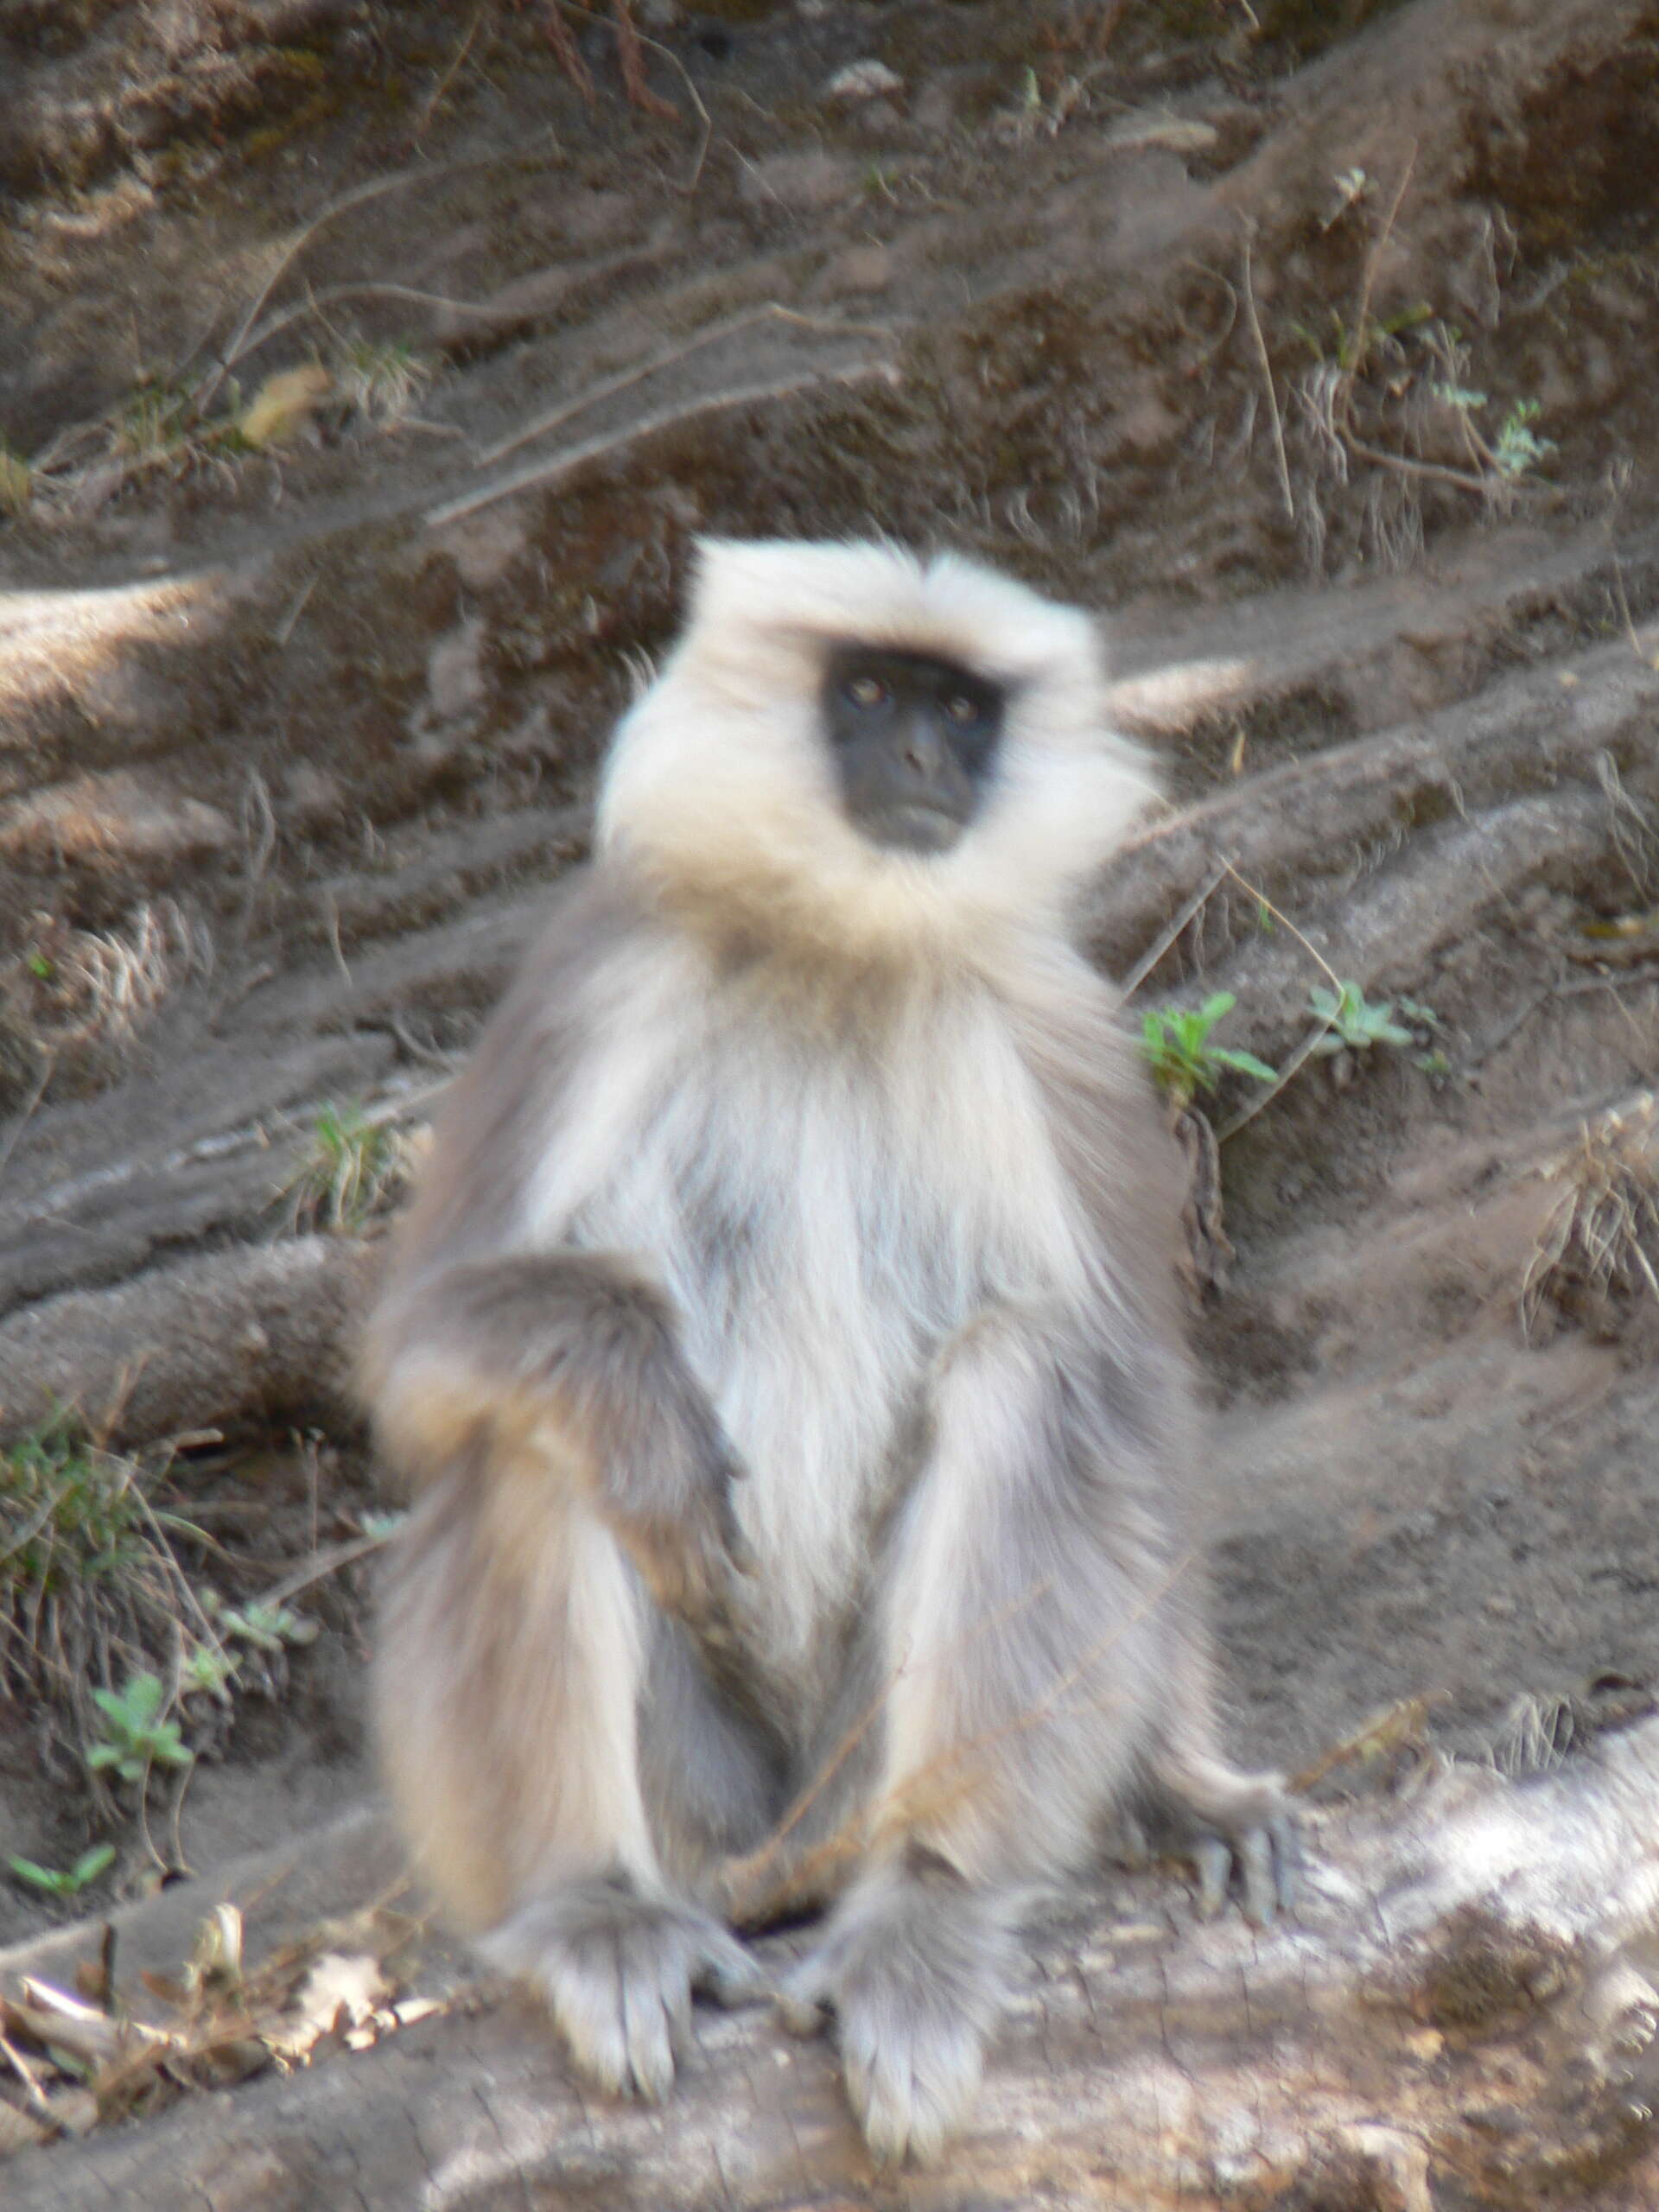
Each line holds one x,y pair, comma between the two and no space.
783,1348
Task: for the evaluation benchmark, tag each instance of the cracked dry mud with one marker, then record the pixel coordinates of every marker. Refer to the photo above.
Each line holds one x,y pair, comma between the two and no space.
1233,329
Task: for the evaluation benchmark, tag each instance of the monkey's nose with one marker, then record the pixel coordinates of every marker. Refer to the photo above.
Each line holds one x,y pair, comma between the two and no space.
919,749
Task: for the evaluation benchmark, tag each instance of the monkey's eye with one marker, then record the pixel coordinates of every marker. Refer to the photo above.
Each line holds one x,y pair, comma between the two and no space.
866,692
961,709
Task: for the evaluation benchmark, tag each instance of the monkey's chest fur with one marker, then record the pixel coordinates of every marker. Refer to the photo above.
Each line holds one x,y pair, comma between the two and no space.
830,1191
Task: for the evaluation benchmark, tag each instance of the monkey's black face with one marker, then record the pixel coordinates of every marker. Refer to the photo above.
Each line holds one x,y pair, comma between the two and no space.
914,741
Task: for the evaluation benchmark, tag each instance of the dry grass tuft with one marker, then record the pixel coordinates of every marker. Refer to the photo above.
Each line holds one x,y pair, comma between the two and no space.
1600,1242
90,1592
97,988
356,1163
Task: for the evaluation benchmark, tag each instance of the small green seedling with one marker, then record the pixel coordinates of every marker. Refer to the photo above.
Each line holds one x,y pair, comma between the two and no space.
1518,449
65,1881
1352,1021
267,1628
1179,1052
135,1737
1466,400
210,1670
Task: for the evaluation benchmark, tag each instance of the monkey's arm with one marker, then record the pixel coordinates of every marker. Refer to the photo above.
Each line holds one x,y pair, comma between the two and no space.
564,1365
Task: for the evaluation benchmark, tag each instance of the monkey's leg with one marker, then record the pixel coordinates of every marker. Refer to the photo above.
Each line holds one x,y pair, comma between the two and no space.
1020,1607
513,1646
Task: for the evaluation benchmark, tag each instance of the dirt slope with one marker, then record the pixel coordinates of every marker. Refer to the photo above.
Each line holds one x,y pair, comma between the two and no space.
1311,345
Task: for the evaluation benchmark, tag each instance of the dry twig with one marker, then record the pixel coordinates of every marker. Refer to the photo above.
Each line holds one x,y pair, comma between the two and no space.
1255,320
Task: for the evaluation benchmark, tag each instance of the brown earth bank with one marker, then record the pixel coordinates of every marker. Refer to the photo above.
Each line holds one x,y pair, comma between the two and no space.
363,382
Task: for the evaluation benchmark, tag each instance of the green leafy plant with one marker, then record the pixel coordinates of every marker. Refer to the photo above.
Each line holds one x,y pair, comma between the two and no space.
1467,401
65,1881
209,1670
1179,1052
1518,449
72,1512
267,1628
135,1738
1353,1022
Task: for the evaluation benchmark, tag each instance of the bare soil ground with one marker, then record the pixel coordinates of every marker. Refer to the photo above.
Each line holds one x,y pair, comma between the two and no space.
361,385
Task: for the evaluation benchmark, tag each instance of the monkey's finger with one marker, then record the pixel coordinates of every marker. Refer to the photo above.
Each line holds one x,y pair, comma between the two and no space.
1213,1858
653,1997
1286,1860
728,1974
802,2000
1131,1845
1258,1877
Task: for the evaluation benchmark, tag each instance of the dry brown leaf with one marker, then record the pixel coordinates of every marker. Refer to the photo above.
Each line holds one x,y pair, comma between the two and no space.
75,2110
339,1981
19,2130
283,404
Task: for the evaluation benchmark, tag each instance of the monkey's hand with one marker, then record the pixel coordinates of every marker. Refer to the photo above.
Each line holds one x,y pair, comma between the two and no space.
915,1967
618,1971
571,1358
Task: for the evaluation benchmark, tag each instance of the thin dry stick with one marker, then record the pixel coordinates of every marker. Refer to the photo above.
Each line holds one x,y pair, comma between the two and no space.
1574,986
1267,377
1646,660
902,1805
27,1113
755,1862
1293,1065
449,77
549,472
25,2073
1368,286
674,62
1436,471
314,302
944,1777
323,1564
1149,960
590,396
375,189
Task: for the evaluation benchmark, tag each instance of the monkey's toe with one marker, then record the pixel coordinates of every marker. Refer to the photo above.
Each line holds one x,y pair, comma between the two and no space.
727,1974
617,1971
1262,1862
911,2086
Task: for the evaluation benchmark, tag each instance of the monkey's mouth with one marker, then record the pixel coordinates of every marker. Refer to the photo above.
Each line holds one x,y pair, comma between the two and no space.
913,828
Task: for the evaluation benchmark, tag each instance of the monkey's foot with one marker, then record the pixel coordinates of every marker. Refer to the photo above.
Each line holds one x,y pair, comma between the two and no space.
618,1970
1238,1831
1261,1862
913,1967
